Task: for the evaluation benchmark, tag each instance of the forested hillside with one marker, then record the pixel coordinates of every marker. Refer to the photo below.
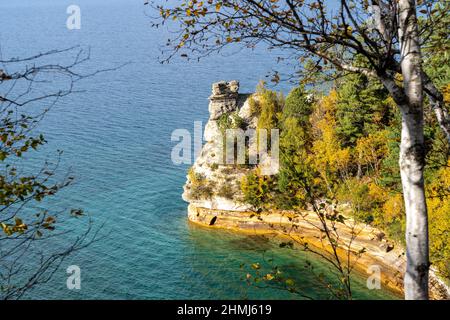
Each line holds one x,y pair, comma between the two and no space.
343,146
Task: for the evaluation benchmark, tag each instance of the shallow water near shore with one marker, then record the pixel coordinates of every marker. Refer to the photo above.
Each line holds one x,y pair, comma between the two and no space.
116,137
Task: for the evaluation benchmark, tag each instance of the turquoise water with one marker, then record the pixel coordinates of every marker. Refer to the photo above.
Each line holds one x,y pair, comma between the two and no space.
116,141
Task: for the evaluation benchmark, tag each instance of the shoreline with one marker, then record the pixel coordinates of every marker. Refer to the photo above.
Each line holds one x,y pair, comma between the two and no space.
389,256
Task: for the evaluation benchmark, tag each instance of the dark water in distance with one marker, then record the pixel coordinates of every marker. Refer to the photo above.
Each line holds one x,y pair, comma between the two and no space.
116,141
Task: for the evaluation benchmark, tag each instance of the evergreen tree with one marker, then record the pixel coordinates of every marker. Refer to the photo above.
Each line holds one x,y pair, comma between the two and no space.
363,107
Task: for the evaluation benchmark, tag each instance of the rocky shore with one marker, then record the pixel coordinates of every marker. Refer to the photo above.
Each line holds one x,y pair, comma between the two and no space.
379,251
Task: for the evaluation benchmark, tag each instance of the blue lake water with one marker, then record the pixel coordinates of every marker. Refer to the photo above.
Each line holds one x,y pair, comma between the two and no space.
116,141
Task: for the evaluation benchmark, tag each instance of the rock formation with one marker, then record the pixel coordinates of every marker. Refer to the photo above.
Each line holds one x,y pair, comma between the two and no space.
211,183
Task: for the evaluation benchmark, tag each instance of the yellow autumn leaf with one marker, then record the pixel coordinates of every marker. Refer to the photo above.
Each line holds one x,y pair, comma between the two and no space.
269,277
256,266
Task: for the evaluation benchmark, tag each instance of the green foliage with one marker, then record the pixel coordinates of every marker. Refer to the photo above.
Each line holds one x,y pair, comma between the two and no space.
298,105
396,230
359,199
436,52
14,135
224,122
255,188
390,170
18,190
237,122
363,107
294,146
230,120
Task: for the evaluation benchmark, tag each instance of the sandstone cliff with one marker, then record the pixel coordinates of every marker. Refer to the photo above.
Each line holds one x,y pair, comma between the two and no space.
211,183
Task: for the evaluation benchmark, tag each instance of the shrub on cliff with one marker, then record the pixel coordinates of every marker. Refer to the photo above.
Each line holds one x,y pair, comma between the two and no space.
230,120
226,191
200,187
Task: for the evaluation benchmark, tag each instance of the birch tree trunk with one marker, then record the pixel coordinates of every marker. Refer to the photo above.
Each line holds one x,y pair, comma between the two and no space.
412,155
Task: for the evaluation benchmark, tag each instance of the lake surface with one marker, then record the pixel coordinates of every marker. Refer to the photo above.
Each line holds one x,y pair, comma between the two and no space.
116,141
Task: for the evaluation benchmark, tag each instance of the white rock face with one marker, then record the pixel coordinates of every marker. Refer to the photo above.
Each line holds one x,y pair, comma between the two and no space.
219,107
212,131
211,184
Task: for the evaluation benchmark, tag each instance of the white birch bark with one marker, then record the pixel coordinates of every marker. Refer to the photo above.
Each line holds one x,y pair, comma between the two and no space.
412,155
